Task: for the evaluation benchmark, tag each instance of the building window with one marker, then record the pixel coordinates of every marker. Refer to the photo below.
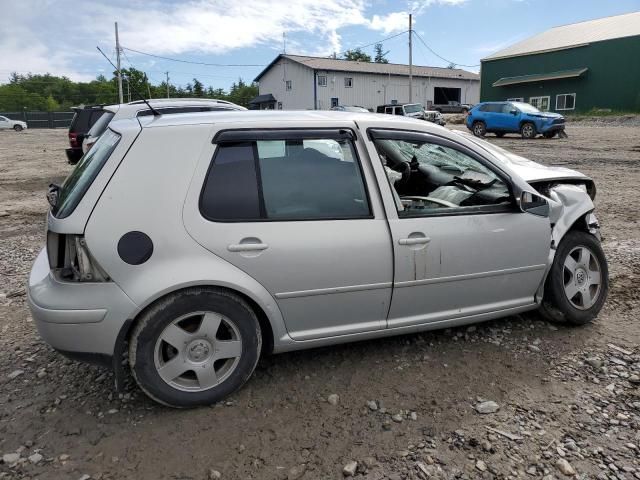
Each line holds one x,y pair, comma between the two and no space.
334,102
348,82
541,103
279,105
287,85
516,99
566,101
322,80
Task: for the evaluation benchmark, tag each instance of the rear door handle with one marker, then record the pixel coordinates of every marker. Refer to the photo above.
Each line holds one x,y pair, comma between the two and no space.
247,247
414,241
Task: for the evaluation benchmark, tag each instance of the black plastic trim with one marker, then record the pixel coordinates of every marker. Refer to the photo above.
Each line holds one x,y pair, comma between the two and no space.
252,135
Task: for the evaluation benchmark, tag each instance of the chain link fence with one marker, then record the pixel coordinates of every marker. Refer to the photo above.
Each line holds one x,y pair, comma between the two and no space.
42,119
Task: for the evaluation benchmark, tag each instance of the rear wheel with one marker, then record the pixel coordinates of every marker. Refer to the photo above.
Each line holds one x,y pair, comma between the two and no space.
479,129
195,347
17,128
578,282
528,130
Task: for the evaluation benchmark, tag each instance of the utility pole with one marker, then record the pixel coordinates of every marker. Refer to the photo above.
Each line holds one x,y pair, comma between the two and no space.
410,59
120,99
167,73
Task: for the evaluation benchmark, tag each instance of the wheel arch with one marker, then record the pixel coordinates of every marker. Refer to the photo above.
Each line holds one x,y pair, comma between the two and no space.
122,340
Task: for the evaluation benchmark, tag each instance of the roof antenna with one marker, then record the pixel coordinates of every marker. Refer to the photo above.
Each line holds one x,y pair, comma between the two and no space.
284,43
153,110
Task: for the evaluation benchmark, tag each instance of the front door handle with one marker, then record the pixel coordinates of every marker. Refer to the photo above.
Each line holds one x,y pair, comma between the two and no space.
247,247
414,241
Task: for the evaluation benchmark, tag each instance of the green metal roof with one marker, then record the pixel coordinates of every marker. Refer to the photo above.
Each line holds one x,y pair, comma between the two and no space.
540,77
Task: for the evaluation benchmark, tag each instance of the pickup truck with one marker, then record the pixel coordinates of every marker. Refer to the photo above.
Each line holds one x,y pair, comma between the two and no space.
451,107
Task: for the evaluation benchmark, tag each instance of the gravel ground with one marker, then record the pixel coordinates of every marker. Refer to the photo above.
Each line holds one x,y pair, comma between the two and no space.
515,398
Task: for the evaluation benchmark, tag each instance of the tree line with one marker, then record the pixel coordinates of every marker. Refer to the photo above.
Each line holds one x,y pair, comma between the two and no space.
46,92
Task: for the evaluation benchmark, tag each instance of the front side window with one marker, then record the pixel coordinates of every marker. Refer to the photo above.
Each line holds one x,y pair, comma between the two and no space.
348,82
429,178
288,179
566,101
79,181
413,108
322,80
287,85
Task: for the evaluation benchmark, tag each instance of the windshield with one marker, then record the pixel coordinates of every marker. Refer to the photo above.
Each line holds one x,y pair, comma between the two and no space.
77,184
101,125
526,108
413,108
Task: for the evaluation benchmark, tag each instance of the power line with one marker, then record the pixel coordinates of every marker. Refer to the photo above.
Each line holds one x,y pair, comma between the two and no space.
195,63
441,57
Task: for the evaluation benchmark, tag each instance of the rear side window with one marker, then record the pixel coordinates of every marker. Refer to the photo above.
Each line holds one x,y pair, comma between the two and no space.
79,181
279,180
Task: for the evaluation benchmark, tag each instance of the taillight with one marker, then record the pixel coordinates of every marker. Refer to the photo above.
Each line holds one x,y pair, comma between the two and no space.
73,140
70,259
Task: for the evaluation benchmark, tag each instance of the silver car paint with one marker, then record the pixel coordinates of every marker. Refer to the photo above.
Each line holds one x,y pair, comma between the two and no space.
153,191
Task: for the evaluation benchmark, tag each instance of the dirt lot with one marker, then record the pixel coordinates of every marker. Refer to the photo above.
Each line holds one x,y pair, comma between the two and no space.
568,398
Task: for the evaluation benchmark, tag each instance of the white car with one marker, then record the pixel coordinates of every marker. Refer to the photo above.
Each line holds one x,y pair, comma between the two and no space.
17,125
163,106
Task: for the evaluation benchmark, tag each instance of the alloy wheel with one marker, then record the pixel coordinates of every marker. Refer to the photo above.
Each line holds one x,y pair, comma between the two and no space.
198,351
582,278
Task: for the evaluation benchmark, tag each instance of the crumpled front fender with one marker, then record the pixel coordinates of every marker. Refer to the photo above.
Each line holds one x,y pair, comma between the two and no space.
568,203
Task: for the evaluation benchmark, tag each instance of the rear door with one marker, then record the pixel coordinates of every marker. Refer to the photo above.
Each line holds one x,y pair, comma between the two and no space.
291,208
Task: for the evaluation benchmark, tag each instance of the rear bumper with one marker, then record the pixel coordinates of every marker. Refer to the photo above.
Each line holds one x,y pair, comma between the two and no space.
80,319
73,155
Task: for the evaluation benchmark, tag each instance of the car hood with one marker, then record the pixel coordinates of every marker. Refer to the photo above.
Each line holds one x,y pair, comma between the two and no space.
528,170
545,115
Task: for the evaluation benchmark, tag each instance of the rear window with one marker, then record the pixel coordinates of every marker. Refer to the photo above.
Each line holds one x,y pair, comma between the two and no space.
79,181
293,179
84,119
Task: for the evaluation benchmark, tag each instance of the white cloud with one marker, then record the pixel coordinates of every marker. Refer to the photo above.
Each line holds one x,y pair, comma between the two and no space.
45,40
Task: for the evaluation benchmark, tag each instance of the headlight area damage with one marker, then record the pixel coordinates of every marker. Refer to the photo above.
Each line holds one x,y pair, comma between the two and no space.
569,202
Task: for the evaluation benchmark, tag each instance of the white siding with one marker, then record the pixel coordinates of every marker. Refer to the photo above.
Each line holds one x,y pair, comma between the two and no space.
300,97
369,90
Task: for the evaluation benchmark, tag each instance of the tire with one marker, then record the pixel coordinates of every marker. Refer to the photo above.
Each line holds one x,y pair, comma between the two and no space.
17,128
562,281
549,134
499,134
218,340
528,130
479,129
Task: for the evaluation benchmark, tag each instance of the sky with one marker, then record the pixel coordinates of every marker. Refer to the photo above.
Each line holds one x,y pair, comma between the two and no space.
243,36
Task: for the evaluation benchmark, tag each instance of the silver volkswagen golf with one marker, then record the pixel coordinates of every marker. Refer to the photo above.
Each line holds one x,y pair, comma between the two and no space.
188,244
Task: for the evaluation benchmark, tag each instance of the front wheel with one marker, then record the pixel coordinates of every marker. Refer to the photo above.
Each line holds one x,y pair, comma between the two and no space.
17,128
528,130
195,347
578,282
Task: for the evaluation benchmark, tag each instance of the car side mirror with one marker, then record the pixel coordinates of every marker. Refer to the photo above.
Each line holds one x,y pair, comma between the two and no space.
534,204
514,112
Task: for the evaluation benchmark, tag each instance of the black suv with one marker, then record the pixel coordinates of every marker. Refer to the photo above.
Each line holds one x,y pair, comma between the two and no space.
82,121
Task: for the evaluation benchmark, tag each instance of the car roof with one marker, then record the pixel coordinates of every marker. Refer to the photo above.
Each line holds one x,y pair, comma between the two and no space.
282,117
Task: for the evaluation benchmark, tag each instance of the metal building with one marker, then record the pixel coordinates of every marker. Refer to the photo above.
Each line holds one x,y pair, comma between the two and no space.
577,67
295,82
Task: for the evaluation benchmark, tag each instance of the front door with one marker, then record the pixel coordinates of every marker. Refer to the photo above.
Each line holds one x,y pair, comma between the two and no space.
291,209
461,248
4,123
